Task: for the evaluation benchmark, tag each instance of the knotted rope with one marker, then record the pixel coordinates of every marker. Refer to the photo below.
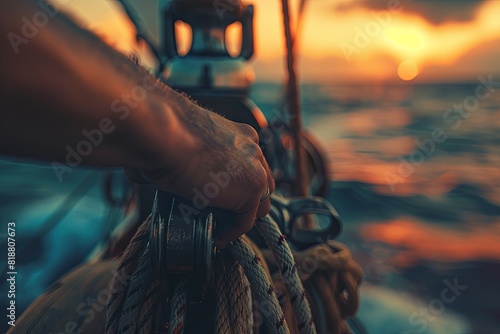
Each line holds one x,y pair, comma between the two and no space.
329,273
245,295
330,269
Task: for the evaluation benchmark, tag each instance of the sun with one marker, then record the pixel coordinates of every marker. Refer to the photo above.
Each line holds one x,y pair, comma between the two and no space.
405,39
408,70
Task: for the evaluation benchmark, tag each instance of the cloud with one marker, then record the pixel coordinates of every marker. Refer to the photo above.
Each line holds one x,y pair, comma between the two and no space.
435,12
481,59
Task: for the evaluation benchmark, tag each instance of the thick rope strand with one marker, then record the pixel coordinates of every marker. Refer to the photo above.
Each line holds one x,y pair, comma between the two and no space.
262,289
240,298
120,283
276,241
179,307
138,288
222,313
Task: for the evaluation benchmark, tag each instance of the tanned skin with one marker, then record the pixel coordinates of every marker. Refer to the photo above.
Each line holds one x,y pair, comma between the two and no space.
64,80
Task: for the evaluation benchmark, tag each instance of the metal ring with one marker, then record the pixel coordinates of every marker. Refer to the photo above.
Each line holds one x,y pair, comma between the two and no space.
266,195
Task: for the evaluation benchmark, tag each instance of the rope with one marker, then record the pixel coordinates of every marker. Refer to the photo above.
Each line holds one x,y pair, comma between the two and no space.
239,294
330,274
131,308
262,289
120,283
330,269
222,320
179,306
284,258
245,296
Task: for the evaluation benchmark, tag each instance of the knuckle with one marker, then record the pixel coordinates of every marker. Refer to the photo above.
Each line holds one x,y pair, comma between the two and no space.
259,179
253,150
272,184
250,132
258,153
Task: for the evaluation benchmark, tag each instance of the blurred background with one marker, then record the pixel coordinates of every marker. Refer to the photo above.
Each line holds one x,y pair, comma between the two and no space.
404,96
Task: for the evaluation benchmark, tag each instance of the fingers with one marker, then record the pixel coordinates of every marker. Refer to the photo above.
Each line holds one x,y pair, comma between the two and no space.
265,204
249,132
135,176
230,226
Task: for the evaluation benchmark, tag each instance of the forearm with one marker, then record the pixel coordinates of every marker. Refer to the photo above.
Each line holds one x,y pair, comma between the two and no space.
64,84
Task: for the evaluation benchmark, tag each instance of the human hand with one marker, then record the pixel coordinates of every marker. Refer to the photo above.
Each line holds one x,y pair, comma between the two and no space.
215,163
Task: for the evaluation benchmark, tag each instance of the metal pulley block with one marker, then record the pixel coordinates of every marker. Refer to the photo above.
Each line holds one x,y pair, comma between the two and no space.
181,239
181,236
306,221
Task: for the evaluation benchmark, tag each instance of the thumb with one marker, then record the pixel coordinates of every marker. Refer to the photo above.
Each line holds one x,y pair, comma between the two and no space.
230,226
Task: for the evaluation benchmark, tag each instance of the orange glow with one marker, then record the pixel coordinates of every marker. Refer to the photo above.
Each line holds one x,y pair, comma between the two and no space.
409,39
407,70
184,36
422,241
436,49
233,39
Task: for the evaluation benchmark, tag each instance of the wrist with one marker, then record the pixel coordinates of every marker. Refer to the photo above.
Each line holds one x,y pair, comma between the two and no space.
161,136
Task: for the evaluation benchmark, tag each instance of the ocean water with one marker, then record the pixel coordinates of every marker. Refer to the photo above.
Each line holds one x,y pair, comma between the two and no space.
416,179
417,186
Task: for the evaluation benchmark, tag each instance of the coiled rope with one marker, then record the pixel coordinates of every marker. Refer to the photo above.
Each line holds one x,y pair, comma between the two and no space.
131,308
245,295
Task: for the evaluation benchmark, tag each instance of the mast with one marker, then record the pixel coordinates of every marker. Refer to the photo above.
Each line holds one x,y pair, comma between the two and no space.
301,186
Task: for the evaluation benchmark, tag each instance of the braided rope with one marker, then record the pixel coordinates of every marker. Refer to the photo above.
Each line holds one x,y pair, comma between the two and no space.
222,320
179,307
284,258
138,288
132,308
119,285
263,291
248,306
241,317
234,306
148,308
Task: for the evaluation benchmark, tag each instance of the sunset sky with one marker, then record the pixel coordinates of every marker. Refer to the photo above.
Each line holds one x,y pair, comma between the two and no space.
352,40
